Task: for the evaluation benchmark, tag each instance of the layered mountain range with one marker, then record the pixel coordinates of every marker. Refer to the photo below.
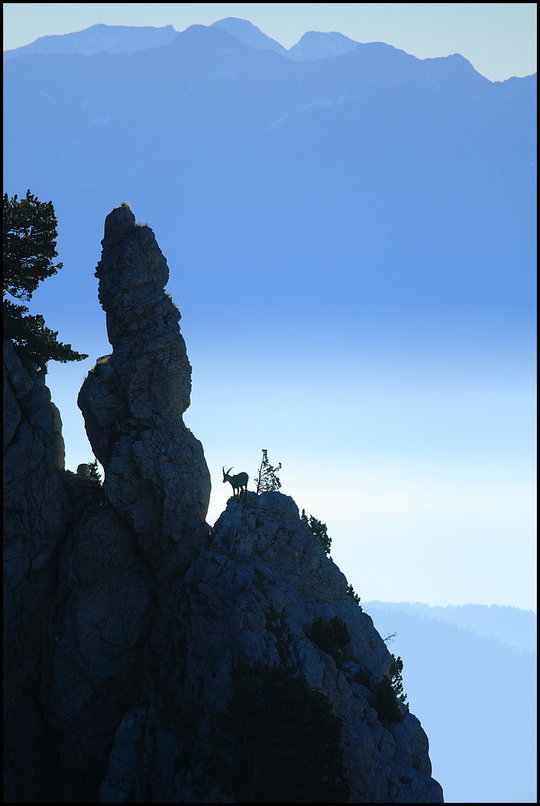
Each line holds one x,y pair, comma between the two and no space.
125,39
355,179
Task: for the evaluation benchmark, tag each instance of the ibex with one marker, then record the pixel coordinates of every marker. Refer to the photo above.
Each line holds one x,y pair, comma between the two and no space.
238,482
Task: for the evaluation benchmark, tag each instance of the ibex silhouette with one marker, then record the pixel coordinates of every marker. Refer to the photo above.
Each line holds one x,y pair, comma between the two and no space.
238,482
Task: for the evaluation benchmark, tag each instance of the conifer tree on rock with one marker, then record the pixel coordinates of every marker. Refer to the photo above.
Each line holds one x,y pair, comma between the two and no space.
29,237
266,479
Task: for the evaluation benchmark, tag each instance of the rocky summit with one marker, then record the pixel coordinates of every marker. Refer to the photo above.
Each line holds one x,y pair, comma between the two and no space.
150,658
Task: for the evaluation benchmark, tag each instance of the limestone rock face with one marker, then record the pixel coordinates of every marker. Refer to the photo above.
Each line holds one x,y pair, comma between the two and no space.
255,593
143,649
38,513
133,400
93,661
36,507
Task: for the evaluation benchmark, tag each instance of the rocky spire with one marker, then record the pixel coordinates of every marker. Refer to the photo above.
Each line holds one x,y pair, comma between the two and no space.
133,400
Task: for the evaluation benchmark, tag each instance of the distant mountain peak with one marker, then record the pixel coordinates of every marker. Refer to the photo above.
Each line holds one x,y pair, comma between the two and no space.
249,34
315,45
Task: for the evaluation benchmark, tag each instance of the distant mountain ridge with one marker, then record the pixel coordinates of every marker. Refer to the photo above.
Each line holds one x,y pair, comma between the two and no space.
116,39
98,39
474,692
511,625
131,39
383,154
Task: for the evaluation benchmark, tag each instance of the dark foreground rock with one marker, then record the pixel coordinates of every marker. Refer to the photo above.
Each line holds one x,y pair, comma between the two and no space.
148,657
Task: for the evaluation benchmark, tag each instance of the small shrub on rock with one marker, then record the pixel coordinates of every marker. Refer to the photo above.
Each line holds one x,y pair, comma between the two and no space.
319,529
390,695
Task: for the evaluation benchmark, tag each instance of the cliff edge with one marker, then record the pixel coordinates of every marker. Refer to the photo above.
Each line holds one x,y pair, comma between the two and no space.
148,657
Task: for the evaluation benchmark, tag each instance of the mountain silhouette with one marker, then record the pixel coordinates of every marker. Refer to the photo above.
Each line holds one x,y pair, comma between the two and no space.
316,45
512,626
249,34
348,174
98,39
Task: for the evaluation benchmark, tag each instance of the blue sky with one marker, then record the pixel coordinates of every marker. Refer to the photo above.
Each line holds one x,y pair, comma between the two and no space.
499,39
418,456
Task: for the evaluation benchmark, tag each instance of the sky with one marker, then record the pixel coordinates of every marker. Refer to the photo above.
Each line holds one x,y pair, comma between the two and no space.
499,39
436,495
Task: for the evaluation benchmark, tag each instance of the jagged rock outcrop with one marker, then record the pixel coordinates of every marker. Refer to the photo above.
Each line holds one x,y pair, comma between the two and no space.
133,400
150,658
256,592
35,514
42,502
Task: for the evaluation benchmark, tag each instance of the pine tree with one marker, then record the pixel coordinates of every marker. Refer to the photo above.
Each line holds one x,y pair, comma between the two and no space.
266,479
396,679
391,700
29,232
319,529
94,470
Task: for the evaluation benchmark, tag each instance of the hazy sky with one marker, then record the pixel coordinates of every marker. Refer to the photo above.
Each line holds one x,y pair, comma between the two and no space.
499,39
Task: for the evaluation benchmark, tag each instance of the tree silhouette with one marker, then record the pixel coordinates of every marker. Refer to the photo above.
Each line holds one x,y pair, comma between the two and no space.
94,470
319,529
29,232
391,699
266,479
